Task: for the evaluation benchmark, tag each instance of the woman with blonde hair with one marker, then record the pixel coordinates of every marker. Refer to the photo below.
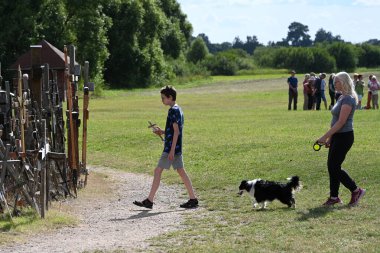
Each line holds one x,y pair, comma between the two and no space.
339,139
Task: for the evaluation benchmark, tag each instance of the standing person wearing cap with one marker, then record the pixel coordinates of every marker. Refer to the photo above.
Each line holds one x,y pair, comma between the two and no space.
293,93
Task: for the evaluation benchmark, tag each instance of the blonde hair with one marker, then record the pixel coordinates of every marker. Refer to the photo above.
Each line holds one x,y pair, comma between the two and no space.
347,85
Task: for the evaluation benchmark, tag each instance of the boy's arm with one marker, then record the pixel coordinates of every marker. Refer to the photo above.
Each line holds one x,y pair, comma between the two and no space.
174,142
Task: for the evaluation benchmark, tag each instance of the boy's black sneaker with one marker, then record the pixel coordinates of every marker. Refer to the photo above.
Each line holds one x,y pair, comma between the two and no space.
145,203
191,203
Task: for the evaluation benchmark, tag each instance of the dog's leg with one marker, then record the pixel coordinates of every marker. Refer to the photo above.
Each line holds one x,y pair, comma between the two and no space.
265,205
254,204
293,203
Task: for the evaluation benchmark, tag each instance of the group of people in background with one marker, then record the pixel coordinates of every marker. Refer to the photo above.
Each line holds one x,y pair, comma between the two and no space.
315,86
373,90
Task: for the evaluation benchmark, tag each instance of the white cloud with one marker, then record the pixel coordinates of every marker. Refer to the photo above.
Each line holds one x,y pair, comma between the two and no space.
367,2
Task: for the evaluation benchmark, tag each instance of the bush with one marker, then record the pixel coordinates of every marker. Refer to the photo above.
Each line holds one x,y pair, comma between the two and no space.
197,51
323,61
369,55
229,62
186,71
344,55
301,59
264,56
221,65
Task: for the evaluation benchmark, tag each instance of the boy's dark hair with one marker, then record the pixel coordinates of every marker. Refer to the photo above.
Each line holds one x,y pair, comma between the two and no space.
168,91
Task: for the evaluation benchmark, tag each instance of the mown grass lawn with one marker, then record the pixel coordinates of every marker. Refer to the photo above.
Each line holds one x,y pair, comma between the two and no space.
242,130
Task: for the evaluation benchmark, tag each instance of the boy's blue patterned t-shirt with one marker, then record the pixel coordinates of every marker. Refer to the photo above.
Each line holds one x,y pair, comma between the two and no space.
175,115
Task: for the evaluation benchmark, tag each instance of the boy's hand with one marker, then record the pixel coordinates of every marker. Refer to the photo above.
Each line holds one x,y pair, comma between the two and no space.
171,156
158,131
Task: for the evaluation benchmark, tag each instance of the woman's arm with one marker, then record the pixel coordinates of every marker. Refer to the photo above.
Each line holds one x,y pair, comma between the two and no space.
344,113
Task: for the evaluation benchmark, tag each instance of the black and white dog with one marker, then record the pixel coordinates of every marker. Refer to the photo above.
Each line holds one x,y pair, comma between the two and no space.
264,191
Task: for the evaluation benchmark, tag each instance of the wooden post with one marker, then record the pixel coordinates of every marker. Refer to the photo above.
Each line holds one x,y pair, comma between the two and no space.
42,187
22,111
70,134
86,97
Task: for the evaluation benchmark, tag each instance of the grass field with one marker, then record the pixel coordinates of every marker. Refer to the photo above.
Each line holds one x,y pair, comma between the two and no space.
241,129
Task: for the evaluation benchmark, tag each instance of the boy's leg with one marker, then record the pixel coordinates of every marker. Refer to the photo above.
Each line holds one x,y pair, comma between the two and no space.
148,202
186,180
156,183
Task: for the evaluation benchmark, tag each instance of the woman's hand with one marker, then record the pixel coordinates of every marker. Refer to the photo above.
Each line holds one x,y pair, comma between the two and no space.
327,143
324,141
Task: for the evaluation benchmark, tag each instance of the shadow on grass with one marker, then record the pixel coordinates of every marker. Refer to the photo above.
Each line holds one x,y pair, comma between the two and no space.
319,212
144,214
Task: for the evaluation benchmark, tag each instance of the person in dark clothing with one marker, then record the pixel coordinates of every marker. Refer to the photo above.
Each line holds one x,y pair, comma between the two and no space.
319,90
293,93
172,153
331,90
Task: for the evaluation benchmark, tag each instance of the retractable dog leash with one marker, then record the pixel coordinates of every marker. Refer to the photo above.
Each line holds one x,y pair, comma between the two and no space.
317,146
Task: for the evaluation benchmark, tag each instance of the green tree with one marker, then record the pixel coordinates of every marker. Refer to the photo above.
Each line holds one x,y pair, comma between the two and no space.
324,36
264,56
302,59
221,65
177,30
344,55
136,57
90,25
18,29
197,51
251,44
297,35
369,55
238,43
322,60
52,20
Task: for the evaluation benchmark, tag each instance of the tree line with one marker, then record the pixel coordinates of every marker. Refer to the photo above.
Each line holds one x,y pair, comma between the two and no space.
132,43
327,53
128,43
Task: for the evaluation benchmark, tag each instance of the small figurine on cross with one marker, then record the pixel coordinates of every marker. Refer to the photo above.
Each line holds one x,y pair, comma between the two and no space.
156,130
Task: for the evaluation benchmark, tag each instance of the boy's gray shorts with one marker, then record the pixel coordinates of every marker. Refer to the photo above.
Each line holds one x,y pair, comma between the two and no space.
165,163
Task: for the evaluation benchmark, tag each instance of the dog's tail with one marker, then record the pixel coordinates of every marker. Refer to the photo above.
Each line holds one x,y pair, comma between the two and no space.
294,183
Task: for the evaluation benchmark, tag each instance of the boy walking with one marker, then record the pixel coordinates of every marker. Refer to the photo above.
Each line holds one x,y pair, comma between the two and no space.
172,154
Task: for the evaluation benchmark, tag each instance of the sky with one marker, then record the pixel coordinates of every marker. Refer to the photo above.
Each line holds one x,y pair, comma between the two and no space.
222,20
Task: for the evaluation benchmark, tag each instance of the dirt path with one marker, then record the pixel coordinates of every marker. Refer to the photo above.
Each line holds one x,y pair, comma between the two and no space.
113,223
